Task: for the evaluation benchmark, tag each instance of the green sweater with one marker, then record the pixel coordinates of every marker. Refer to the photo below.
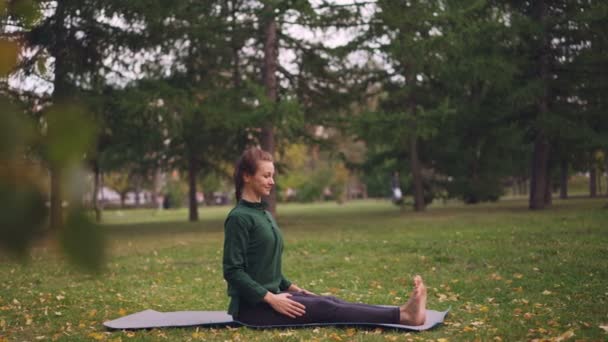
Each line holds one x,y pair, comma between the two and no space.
252,255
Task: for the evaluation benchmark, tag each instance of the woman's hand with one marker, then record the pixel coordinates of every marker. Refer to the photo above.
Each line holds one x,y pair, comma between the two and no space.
282,304
296,288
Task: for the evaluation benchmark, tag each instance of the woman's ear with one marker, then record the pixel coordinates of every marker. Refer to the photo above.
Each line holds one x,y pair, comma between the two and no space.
246,177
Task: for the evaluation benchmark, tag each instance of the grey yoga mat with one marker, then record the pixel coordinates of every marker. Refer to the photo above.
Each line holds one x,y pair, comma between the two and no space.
153,319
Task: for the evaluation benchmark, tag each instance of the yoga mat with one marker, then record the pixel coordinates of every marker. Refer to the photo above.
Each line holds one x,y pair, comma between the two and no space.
153,319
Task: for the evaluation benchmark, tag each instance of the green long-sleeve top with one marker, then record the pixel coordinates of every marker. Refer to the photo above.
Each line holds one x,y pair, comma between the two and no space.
253,245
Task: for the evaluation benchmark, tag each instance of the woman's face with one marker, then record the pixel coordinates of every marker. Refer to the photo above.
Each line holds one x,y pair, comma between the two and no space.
262,181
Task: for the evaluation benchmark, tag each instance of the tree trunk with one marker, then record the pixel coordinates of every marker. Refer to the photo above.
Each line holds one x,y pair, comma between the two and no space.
538,180
416,173
600,175
193,204
236,73
593,181
563,180
270,84
96,184
60,92
137,191
548,197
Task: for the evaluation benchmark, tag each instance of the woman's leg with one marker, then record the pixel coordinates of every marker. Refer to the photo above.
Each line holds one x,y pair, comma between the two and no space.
326,309
319,309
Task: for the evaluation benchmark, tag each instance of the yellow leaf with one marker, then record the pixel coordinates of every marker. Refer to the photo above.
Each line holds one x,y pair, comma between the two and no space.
92,312
565,336
442,340
484,308
518,275
467,329
547,292
122,312
335,337
97,336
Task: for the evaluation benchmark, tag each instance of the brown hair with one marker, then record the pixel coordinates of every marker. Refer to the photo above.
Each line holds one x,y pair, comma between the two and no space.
248,164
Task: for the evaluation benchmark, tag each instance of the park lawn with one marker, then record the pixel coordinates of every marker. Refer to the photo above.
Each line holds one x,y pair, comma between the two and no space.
507,273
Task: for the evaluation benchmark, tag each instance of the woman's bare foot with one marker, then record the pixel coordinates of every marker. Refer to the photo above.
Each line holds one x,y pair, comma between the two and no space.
414,311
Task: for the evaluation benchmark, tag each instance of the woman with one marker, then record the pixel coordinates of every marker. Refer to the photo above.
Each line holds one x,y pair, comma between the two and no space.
259,292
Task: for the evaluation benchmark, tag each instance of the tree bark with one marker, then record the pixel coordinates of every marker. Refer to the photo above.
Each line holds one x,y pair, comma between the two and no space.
563,180
271,86
416,173
592,180
548,198
193,204
60,93
539,181
236,73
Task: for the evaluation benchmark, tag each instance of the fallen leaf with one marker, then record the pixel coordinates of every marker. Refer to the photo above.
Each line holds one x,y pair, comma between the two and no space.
335,337
96,336
122,312
565,336
547,292
604,327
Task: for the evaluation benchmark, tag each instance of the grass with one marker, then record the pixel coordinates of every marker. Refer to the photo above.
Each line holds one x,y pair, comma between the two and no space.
508,274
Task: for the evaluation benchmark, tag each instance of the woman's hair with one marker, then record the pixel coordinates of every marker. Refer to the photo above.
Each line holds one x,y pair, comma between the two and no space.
248,164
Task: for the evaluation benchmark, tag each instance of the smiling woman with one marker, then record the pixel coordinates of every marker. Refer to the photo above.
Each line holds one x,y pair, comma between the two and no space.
253,244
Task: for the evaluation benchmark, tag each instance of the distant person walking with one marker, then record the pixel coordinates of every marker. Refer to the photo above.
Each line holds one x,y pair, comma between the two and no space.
259,292
396,188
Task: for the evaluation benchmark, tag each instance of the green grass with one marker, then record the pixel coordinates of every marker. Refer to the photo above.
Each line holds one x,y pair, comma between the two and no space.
506,272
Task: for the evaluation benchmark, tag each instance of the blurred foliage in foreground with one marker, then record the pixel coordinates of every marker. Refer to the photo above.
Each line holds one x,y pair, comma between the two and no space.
32,141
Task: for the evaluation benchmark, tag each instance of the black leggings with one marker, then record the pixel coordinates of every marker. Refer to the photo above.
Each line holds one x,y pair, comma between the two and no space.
319,309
